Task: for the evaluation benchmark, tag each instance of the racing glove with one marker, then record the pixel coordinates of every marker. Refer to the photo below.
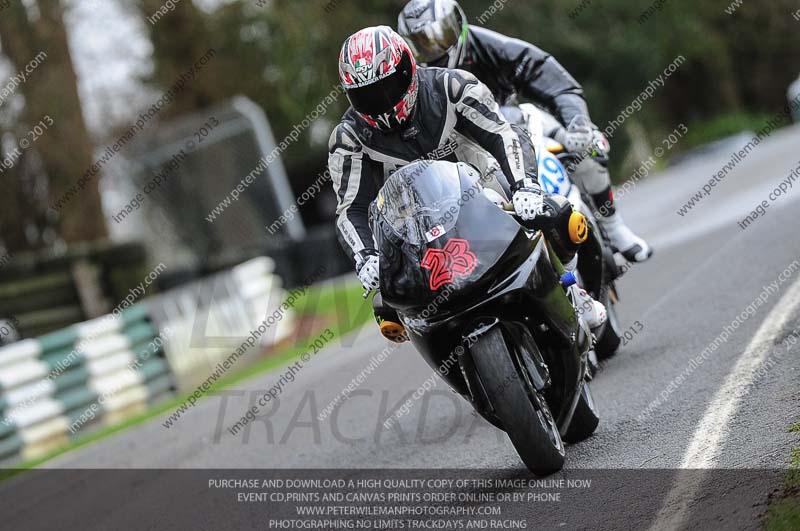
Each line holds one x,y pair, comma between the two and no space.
367,269
526,195
576,138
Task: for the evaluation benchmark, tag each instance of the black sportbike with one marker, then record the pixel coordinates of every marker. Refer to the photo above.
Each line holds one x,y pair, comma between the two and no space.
482,297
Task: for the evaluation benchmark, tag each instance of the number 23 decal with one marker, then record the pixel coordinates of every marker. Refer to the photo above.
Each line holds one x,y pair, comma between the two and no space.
446,264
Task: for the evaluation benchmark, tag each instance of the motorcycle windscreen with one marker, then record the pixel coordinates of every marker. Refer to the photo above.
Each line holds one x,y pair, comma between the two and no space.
437,233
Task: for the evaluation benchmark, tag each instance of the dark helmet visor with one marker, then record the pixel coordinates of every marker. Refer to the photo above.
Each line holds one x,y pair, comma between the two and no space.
382,96
434,39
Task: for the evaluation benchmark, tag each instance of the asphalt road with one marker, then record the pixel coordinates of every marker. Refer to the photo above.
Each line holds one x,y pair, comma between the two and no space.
705,273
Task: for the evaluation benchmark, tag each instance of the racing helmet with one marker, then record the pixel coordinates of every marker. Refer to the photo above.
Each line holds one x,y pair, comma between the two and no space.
436,30
378,73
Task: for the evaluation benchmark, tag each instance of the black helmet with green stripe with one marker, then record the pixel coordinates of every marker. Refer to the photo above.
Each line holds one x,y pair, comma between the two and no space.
436,30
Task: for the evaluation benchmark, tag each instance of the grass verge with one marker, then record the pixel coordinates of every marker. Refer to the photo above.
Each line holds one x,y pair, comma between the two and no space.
339,305
783,513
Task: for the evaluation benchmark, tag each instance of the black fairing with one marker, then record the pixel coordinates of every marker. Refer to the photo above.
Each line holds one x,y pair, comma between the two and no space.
490,232
513,284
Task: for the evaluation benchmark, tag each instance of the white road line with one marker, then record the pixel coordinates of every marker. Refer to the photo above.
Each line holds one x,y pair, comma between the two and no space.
704,448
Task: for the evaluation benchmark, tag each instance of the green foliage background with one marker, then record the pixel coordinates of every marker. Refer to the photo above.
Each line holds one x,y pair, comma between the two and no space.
284,55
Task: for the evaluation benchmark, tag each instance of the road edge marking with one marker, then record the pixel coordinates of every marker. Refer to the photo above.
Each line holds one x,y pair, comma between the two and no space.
703,450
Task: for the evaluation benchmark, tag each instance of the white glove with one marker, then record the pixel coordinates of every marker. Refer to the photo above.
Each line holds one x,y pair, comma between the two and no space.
367,269
575,139
527,199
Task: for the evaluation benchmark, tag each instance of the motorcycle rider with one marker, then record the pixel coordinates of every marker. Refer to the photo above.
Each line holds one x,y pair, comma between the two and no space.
438,33
400,113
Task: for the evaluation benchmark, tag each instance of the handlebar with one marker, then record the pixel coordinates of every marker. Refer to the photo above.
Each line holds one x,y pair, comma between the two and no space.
541,222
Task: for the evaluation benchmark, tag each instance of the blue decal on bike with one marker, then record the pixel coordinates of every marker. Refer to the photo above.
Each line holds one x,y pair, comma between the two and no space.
552,175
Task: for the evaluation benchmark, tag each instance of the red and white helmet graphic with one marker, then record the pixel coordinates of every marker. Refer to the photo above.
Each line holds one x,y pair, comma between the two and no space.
379,74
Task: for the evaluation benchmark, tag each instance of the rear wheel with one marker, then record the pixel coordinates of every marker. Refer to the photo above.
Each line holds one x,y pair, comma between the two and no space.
522,410
585,419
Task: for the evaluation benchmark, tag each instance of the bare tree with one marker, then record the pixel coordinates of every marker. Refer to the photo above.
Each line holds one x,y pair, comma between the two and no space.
65,149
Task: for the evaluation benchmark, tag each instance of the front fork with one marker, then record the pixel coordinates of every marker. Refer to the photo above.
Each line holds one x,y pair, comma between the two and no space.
520,343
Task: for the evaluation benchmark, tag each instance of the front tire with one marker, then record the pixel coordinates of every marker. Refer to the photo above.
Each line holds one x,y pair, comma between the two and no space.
609,341
522,410
585,419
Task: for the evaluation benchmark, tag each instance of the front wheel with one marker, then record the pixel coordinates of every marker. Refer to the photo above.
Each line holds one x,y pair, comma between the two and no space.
585,419
521,409
609,341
